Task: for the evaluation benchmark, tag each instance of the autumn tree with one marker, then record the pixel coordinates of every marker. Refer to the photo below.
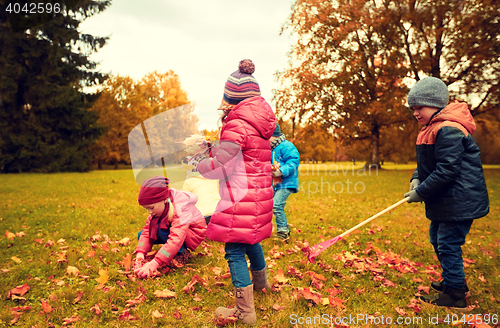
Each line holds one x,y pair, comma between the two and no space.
348,70
45,124
313,142
354,59
125,103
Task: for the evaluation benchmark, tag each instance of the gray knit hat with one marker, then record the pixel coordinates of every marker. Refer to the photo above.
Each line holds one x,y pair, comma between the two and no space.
430,91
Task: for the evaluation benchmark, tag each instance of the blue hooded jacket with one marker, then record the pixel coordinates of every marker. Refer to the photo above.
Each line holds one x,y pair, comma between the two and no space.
288,156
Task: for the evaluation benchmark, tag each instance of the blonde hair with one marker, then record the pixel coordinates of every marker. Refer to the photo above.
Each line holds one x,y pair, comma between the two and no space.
223,117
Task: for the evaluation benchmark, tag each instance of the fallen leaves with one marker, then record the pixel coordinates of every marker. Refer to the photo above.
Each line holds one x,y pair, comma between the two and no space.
16,259
103,276
222,322
16,313
280,277
124,242
165,293
195,280
127,262
72,271
46,307
19,291
96,309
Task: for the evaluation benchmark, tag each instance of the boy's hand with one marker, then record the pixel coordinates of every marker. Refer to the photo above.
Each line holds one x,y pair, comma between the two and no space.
148,270
414,197
414,184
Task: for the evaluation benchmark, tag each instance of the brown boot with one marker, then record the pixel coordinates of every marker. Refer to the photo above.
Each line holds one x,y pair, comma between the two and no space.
245,308
259,279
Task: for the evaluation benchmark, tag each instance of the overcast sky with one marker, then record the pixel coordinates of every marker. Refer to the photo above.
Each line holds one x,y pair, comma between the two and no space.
201,41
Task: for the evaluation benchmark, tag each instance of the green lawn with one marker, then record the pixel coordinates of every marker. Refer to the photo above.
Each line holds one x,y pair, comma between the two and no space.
59,222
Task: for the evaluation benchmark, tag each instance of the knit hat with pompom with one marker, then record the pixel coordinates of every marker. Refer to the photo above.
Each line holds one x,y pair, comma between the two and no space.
240,85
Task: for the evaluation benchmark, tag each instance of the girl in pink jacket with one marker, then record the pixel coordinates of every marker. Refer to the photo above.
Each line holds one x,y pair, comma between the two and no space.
173,221
242,164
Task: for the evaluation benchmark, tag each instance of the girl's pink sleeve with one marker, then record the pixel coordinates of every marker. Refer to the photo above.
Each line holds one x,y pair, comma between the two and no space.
144,244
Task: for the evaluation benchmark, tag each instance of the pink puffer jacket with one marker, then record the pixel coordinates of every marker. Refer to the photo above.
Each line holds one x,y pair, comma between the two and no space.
189,228
242,163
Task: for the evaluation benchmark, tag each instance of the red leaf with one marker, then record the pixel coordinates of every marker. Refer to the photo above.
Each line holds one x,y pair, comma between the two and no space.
78,297
220,321
336,302
333,291
360,291
96,309
125,315
310,295
139,299
481,278
39,241
196,279
71,320
177,315
19,290
295,272
277,307
401,312
425,289
46,307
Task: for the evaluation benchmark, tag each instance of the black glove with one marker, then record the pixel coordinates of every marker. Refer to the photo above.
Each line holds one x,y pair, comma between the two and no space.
414,197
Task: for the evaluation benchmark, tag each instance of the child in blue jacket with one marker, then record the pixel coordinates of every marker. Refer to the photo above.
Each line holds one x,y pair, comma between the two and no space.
287,156
449,179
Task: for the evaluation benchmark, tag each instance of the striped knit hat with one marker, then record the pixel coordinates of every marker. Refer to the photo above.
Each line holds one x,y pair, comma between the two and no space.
240,85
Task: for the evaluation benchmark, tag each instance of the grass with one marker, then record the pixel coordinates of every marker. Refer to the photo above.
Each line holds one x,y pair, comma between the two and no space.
73,209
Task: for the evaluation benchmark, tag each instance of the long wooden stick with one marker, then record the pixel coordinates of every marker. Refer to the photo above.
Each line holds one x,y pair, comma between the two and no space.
375,216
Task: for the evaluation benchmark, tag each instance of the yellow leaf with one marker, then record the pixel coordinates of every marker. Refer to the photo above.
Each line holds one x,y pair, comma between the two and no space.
103,276
71,270
127,262
124,242
9,234
165,293
16,259
280,277
157,314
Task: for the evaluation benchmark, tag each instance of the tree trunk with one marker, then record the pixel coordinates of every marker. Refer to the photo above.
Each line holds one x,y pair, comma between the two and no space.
116,165
99,164
375,145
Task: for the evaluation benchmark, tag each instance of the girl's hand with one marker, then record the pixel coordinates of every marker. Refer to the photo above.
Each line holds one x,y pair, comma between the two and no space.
139,261
147,270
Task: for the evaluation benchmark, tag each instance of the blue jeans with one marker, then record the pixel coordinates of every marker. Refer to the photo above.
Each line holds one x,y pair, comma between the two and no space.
279,198
447,239
235,256
162,238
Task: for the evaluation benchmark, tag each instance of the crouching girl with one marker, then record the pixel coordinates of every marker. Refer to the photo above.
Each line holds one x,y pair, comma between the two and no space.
173,221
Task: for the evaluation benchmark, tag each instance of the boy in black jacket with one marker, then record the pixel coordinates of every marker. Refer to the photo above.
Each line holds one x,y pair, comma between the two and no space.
449,179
